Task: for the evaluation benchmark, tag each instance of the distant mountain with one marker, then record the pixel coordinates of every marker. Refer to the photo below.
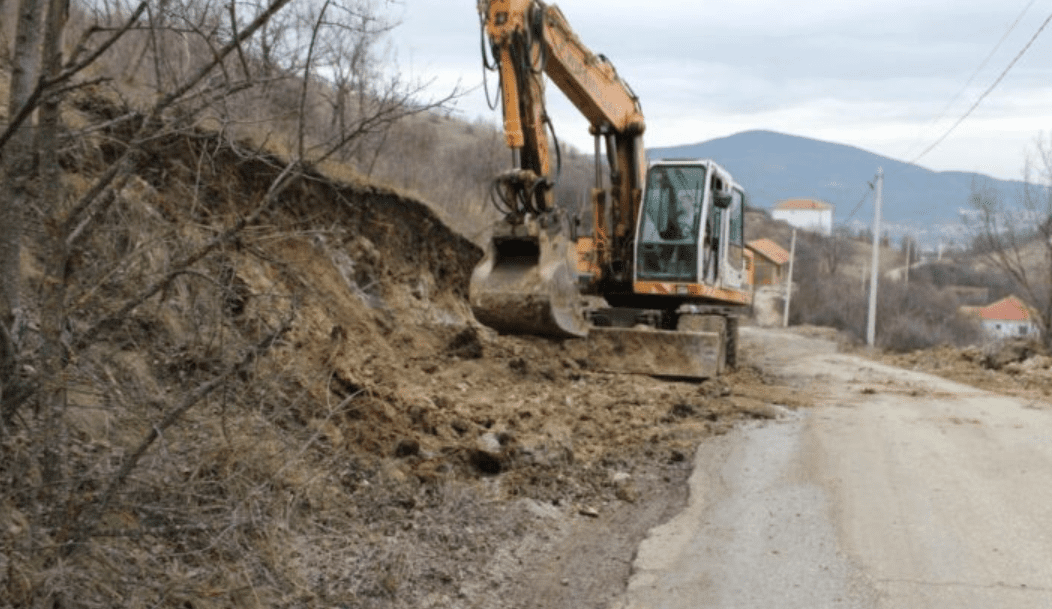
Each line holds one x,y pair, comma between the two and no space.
774,166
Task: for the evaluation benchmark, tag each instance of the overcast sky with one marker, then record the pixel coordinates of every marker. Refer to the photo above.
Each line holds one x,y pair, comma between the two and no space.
870,73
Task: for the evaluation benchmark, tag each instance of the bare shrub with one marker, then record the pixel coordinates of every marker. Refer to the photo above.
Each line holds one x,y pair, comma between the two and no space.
909,316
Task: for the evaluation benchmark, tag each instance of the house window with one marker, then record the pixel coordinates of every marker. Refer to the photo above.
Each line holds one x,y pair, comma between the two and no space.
1023,330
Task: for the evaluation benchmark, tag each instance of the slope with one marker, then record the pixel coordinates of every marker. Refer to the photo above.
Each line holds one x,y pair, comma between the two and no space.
306,413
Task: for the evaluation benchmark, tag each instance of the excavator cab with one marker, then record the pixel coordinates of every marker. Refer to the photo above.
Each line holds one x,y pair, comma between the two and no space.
670,223
682,236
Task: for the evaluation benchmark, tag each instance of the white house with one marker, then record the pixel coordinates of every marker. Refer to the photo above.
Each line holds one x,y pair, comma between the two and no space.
808,214
1007,318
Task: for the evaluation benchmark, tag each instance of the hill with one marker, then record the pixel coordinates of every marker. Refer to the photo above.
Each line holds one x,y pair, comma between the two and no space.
774,166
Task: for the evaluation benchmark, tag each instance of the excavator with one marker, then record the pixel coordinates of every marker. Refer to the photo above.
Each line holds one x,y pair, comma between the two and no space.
658,283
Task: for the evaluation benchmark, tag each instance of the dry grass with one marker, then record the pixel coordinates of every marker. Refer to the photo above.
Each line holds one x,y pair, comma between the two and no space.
258,477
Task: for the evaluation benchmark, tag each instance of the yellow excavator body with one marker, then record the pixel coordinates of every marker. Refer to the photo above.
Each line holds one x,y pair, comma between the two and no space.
658,284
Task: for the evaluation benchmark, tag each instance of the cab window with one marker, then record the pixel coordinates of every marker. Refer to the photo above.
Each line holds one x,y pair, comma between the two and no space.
669,223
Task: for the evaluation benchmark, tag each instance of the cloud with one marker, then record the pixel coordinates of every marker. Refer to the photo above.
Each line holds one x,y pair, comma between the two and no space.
869,73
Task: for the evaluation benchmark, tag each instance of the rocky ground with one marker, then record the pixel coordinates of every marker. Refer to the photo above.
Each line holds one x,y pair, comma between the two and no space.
1020,368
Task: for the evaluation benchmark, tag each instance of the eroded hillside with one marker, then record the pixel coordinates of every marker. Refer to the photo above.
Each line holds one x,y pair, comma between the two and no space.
283,400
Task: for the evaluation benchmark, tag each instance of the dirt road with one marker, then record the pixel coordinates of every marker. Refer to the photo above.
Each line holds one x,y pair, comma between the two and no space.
897,490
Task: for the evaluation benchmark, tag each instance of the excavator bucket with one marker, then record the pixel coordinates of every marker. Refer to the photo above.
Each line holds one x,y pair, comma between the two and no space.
527,284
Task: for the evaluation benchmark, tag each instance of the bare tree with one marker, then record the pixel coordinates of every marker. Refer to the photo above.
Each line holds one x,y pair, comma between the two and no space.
1015,236
97,275
16,166
835,249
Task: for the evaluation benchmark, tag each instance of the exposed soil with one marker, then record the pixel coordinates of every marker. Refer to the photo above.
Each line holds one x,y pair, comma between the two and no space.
386,451
1019,368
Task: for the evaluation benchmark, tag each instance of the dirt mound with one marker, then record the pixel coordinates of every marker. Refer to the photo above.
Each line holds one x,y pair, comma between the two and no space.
1000,355
302,411
1013,367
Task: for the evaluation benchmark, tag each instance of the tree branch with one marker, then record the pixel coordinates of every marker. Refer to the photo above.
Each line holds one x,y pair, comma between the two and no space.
93,514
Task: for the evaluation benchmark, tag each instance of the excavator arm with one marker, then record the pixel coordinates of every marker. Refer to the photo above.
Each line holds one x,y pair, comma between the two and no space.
529,39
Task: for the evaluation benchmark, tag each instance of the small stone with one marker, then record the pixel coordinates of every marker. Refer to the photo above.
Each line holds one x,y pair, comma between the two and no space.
489,442
407,447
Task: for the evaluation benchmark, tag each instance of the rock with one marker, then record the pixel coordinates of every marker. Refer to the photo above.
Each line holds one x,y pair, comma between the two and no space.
768,411
627,492
466,344
407,447
541,510
1011,351
589,511
489,442
624,488
485,462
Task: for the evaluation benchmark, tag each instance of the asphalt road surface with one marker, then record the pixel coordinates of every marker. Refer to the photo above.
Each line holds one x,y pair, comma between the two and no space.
897,490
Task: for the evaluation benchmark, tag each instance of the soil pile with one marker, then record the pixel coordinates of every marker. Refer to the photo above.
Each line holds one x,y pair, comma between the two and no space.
305,413
1013,367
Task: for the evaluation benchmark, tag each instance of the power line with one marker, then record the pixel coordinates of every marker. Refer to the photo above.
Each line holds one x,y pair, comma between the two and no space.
865,195
985,93
979,69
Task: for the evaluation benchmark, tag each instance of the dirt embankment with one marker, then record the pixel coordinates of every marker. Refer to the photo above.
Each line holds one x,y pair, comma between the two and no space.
385,451
1018,367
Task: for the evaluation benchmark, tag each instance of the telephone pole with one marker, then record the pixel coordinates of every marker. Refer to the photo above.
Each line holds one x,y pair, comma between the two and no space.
909,246
871,330
789,281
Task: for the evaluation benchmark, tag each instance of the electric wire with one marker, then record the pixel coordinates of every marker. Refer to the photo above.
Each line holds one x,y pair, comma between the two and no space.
979,69
986,92
865,195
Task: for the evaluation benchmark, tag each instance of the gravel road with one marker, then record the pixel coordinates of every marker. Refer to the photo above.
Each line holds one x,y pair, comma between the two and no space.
897,490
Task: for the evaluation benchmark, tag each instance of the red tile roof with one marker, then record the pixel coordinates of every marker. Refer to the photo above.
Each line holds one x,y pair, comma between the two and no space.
769,250
803,204
1009,308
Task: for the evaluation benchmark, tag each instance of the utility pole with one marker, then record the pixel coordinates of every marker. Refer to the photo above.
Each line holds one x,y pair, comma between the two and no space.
909,244
789,281
871,330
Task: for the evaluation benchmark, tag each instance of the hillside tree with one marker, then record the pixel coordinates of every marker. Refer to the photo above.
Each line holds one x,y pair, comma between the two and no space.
1015,237
197,60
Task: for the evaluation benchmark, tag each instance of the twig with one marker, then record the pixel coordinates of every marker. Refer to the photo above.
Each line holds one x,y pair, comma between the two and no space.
89,525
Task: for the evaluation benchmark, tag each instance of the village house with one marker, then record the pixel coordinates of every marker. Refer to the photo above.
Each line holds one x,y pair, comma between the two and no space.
808,214
1009,317
770,262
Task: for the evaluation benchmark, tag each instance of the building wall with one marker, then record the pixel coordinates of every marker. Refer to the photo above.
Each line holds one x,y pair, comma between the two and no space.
818,220
767,272
1009,329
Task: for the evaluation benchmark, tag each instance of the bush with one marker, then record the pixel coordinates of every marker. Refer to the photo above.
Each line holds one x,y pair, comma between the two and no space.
909,316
